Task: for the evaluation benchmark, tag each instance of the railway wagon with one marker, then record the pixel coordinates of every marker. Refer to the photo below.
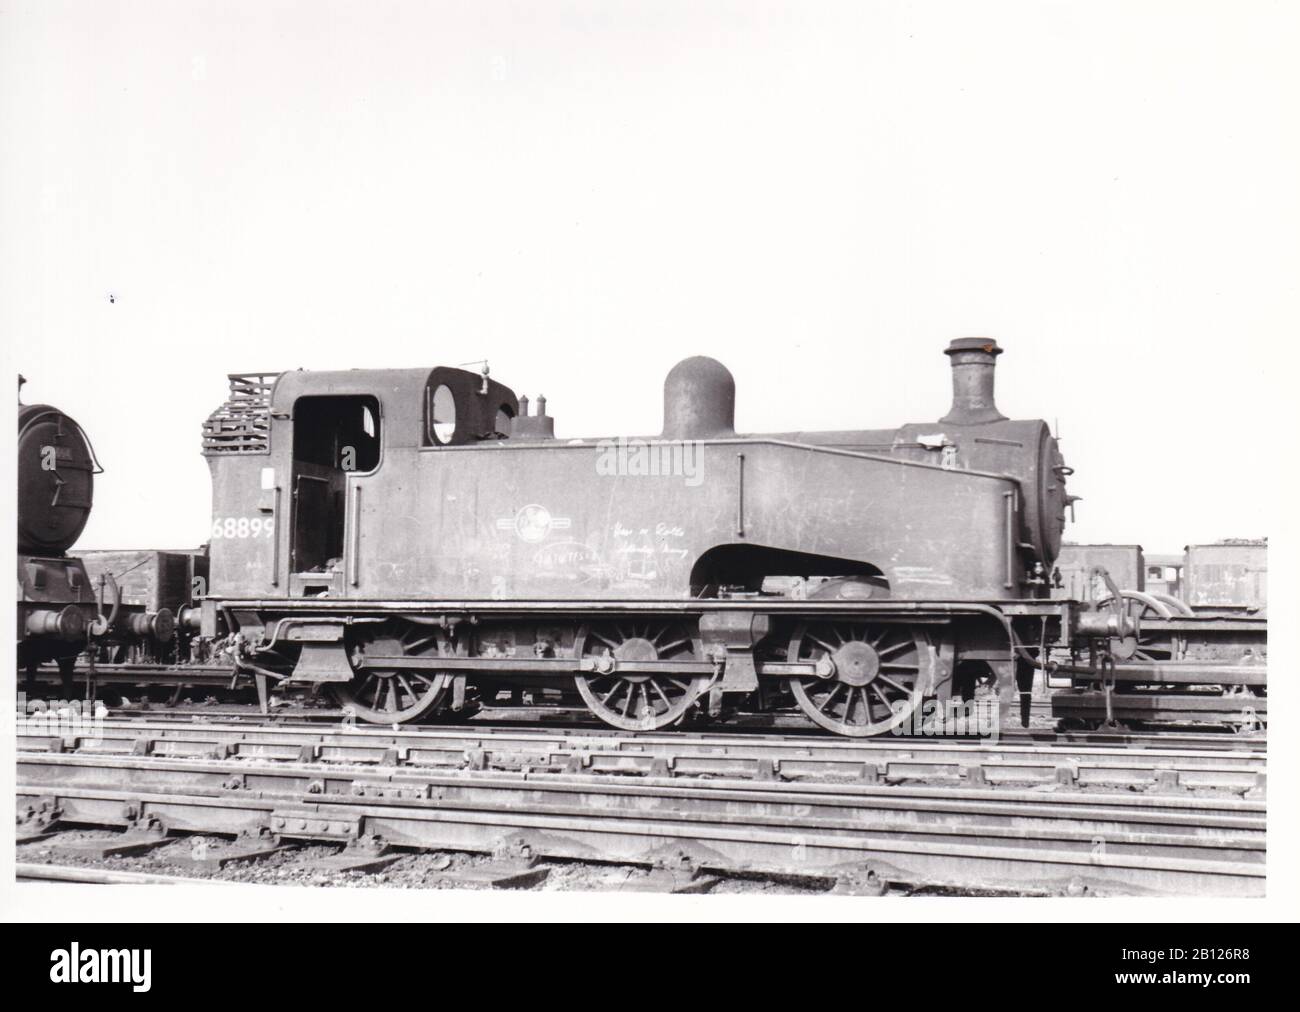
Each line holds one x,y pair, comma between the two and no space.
155,588
408,539
1196,658
1230,575
1076,578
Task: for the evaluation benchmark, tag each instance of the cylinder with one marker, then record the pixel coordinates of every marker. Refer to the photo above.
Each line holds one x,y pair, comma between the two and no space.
973,363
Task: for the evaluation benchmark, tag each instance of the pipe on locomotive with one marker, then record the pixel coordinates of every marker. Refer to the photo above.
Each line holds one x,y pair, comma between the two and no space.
102,623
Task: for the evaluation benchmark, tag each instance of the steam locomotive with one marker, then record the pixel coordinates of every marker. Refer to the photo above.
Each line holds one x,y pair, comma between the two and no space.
413,541
62,612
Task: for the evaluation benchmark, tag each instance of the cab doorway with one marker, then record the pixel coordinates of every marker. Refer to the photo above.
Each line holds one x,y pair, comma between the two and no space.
333,437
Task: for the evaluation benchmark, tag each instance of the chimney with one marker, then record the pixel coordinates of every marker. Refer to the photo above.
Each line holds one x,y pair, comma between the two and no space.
973,361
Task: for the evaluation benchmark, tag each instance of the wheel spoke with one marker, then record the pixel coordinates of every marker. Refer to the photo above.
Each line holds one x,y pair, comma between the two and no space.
418,646
830,696
618,684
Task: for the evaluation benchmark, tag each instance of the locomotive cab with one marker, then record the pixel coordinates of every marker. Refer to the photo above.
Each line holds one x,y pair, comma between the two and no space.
299,460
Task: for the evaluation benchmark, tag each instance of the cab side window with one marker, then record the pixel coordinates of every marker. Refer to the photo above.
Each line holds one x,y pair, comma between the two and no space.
441,411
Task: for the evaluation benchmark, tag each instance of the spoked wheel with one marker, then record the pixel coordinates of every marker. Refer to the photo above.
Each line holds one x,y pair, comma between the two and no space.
873,675
632,700
393,695
1141,606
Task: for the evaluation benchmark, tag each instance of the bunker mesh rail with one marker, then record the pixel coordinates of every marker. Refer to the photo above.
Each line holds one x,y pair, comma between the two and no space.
243,423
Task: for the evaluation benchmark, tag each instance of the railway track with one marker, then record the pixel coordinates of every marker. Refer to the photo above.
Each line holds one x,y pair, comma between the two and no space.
547,719
766,757
500,722
921,814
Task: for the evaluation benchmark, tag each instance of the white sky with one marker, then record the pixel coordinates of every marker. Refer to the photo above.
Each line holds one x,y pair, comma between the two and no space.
820,196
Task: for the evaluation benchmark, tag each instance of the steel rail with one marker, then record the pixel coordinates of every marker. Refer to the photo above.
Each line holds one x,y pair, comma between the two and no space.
922,836
30,871
313,778
764,758
198,721
495,718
